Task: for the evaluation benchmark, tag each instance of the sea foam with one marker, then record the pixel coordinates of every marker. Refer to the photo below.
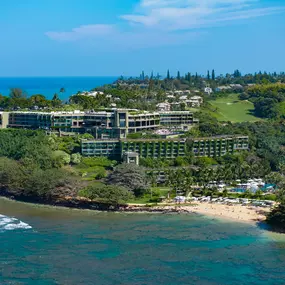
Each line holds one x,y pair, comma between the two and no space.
10,224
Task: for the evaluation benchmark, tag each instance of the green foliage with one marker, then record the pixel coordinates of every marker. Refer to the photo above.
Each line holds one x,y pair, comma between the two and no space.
130,176
21,144
18,179
76,158
106,193
275,178
268,99
97,161
60,158
18,99
205,161
276,218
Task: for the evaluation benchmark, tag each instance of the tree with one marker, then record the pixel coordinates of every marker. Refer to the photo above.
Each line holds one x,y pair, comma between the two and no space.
130,176
38,100
237,74
55,97
106,193
17,93
178,75
168,74
275,178
56,102
60,158
76,158
62,90
208,75
276,217
213,75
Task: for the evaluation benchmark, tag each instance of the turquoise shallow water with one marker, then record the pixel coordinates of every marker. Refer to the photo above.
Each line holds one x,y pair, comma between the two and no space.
57,246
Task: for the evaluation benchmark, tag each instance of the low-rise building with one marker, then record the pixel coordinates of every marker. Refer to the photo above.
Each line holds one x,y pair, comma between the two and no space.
195,101
163,106
208,90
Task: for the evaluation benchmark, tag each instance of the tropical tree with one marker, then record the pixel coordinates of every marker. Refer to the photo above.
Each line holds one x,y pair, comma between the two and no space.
62,90
56,102
106,193
38,100
16,93
130,176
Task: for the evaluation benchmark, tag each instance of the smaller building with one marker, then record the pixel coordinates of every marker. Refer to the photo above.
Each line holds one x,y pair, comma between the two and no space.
163,107
195,101
208,90
183,98
131,157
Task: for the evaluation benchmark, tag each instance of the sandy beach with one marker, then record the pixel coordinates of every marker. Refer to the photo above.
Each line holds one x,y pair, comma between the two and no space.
234,212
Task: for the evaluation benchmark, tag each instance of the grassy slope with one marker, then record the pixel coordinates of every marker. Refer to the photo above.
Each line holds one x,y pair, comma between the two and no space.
234,110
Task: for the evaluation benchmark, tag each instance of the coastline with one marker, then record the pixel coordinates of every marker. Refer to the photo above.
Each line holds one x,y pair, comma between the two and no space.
235,213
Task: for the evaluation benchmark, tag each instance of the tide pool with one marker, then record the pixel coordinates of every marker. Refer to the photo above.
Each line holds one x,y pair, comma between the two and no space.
62,246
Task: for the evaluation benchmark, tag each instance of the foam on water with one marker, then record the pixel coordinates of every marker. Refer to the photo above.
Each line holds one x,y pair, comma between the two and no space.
10,224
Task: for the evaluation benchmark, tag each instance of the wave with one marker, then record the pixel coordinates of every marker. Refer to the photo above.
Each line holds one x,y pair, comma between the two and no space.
10,224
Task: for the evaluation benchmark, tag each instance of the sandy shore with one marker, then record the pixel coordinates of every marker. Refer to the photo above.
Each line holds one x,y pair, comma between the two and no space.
235,212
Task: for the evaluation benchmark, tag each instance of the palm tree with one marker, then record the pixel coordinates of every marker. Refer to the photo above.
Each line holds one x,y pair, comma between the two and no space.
188,178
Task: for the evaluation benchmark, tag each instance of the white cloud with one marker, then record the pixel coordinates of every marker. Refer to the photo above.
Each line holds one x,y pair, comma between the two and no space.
82,32
189,14
166,22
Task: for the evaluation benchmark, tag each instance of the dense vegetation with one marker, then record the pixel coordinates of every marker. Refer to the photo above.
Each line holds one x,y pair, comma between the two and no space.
276,218
31,166
43,167
268,99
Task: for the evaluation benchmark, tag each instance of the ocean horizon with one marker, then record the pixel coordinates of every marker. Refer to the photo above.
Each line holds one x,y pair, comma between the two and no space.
50,85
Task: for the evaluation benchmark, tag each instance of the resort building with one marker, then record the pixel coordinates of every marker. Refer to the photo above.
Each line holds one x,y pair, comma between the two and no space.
165,148
107,124
218,146
177,118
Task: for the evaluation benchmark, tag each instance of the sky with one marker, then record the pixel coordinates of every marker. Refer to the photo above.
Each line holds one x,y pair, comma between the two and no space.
124,37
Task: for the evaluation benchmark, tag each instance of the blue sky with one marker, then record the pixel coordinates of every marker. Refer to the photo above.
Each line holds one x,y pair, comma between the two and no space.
123,37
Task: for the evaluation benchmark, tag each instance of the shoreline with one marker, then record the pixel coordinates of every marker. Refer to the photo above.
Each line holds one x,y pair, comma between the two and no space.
235,213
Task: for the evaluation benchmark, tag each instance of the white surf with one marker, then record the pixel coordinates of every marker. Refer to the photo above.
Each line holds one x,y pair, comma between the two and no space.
10,224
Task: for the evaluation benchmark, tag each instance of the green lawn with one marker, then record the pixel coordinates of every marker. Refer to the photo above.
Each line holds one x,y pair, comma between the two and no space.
232,109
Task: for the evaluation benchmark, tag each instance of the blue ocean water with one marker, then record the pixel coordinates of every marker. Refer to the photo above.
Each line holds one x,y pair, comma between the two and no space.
48,86
50,246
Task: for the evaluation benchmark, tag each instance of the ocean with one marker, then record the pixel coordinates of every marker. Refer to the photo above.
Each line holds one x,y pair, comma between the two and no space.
48,246
48,86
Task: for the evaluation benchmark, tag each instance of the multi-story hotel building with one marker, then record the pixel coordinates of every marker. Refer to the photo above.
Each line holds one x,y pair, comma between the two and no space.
165,148
110,130
102,125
